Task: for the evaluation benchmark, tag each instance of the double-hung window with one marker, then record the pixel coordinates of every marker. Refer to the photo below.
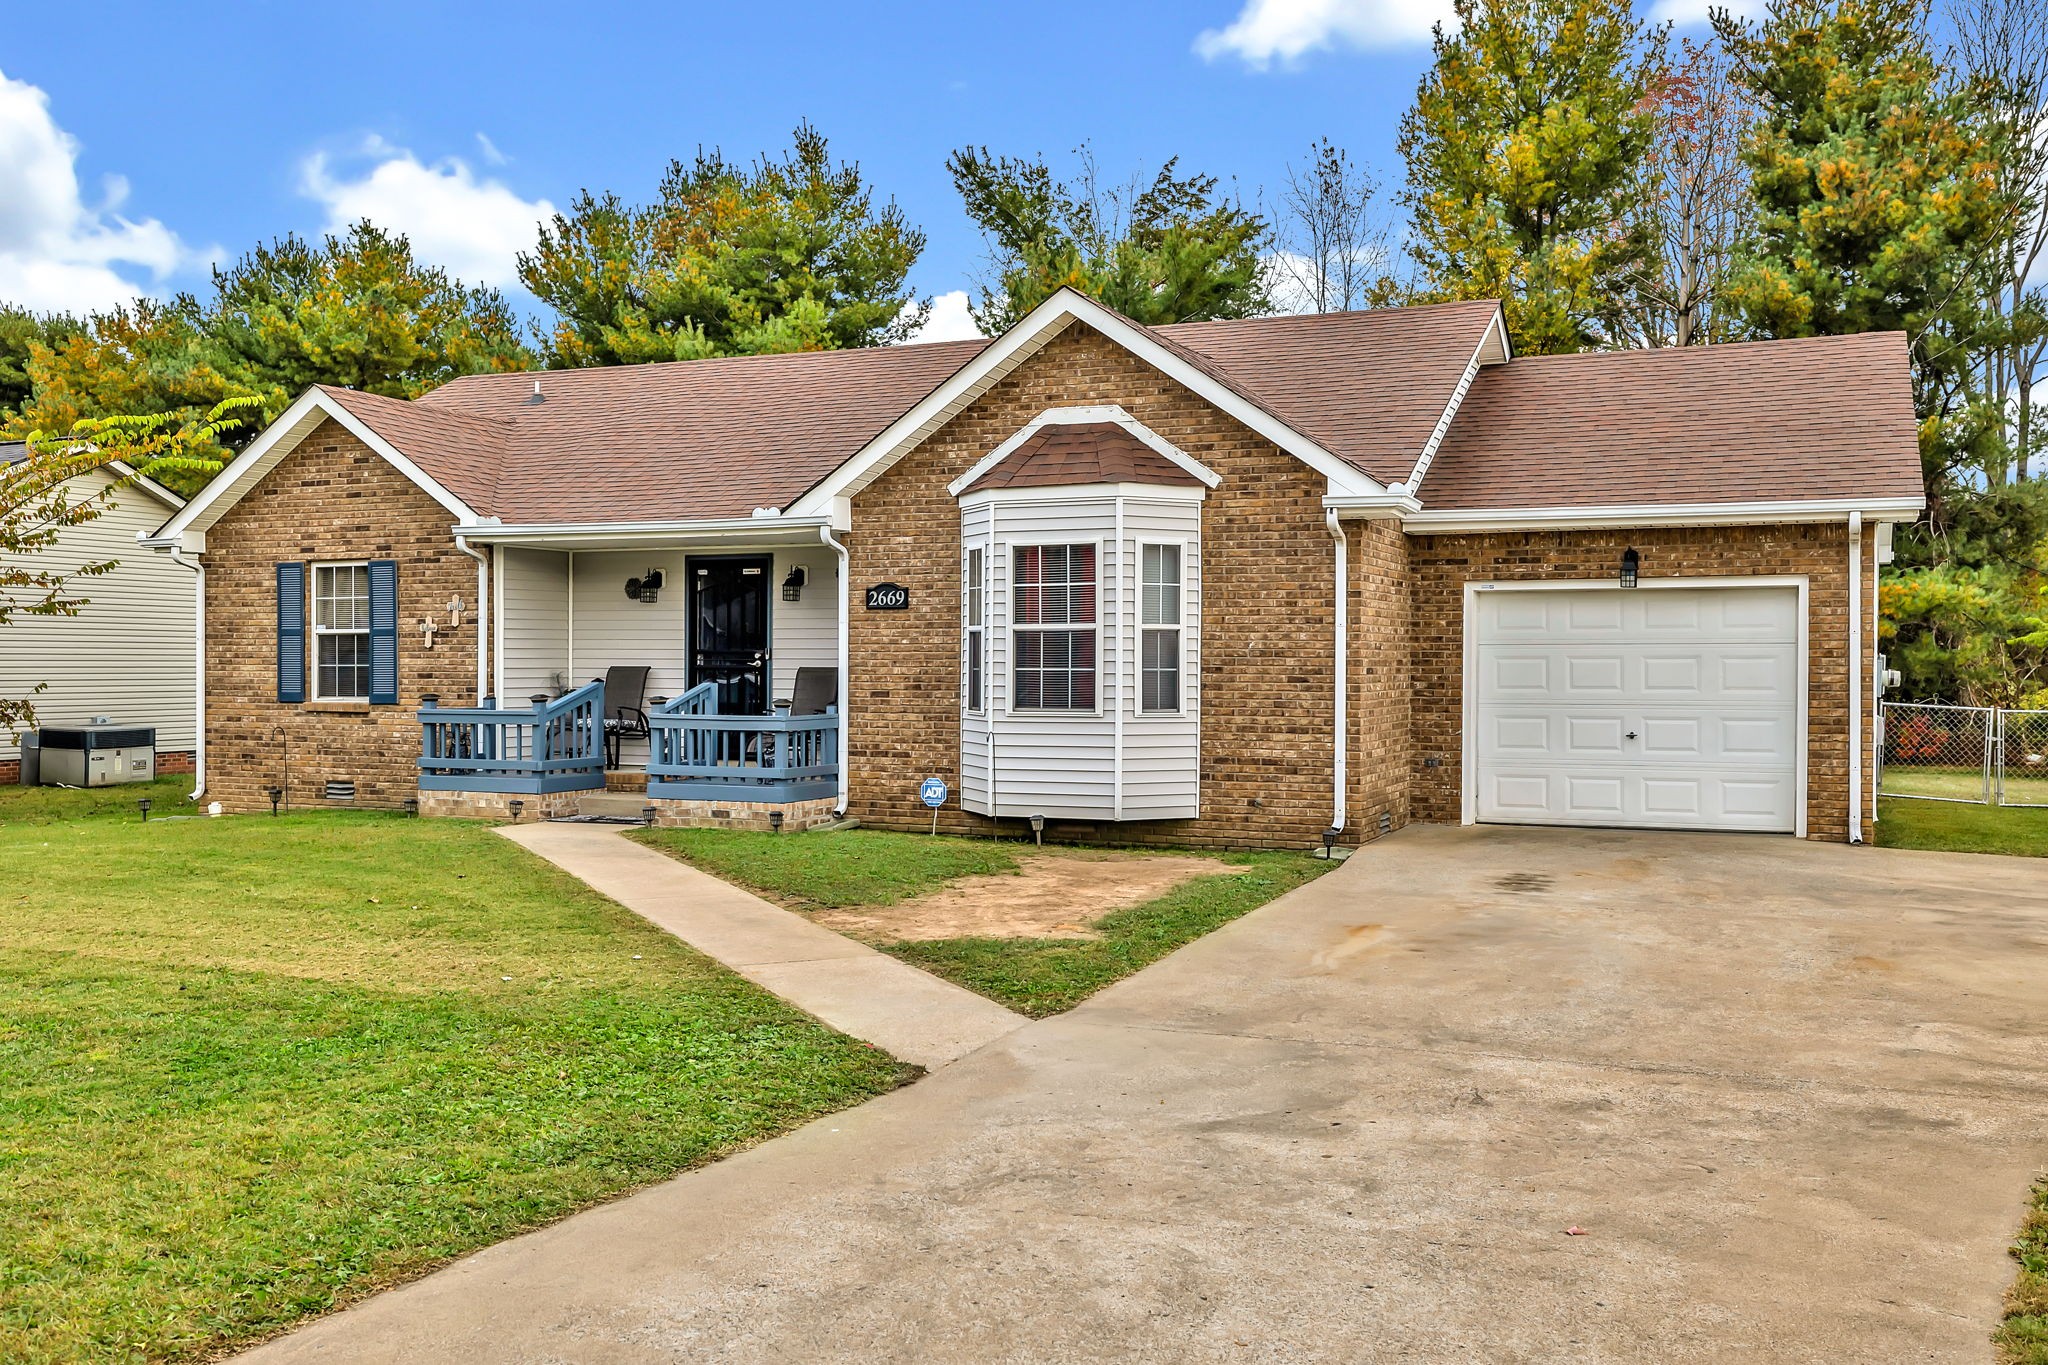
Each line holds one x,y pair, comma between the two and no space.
1053,628
341,632
974,628
1159,627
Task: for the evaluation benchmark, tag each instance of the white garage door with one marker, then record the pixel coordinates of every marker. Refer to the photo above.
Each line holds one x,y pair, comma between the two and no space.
1664,708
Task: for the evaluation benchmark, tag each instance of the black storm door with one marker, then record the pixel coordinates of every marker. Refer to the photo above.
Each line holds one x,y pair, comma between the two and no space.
729,630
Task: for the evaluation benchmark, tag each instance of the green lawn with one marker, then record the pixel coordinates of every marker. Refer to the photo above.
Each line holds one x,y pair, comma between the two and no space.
2023,1337
1954,828
852,868
251,1067
1961,783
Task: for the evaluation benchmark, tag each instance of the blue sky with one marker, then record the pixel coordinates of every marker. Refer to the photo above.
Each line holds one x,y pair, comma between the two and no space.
120,173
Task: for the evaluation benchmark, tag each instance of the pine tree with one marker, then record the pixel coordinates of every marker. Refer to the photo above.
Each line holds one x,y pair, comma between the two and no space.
787,254
1523,149
1170,249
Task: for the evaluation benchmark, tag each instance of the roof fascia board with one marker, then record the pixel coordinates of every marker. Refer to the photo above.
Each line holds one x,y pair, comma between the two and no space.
278,440
1031,335
1385,507
1659,514
1077,416
1494,329
127,473
1080,494
632,534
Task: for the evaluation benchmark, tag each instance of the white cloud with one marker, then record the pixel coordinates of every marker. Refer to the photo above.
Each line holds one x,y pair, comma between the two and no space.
57,252
1266,31
1691,13
472,226
949,319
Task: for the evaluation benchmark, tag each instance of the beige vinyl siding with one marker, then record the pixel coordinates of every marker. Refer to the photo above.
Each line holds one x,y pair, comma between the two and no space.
533,623
128,654
1162,754
804,633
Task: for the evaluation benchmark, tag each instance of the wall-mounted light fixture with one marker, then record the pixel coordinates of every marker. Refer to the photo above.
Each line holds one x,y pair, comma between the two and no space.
646,589
1631,567
793,586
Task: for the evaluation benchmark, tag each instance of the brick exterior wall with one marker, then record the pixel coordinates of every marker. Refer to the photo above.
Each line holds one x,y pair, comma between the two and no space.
1267,613
330,499
1444,564
1381,634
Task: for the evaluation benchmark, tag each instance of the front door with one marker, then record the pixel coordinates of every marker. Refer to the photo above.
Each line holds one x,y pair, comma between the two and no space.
729,630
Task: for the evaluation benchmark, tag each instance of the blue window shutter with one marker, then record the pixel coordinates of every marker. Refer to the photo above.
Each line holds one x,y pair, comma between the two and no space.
291,632
383,632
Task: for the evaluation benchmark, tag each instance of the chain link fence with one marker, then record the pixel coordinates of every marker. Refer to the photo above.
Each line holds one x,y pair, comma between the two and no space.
1985,755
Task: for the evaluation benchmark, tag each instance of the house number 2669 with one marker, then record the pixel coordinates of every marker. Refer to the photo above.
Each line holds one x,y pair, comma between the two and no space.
888,597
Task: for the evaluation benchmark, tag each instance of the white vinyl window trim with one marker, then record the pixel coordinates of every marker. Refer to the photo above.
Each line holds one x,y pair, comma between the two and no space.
340,619
1162,627
1021,630
974,631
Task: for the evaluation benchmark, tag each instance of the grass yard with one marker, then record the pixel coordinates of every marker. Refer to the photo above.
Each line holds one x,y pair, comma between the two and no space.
1950,827
1035,976
251,1068
2023,1337
1960,783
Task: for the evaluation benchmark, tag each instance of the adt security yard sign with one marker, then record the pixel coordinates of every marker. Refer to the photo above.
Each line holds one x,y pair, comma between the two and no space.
932,791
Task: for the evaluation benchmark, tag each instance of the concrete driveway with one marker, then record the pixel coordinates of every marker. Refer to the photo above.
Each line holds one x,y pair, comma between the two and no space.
1792,1094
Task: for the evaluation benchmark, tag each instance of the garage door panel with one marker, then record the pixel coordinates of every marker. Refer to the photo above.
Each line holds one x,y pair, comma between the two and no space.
1705,673
1665,708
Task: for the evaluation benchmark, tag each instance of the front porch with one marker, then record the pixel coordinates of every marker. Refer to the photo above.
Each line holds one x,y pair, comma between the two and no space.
491,756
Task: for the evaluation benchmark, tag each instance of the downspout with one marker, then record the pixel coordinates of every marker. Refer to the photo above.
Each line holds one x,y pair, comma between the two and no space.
845,681
1855,677
483,617
1339,745
198,670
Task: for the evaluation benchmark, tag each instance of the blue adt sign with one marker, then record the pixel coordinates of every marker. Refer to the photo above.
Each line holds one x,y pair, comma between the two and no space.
932,792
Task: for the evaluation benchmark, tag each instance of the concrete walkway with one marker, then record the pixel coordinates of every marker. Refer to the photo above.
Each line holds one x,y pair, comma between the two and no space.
909,1014
1792,1095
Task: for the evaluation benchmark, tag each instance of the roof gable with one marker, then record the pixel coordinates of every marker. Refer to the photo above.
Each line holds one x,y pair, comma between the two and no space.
1074,453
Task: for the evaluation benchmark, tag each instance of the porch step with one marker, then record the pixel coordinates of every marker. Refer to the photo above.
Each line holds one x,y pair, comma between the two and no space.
611,805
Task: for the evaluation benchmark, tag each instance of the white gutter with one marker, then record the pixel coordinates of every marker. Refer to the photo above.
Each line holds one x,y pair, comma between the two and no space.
1855,677
845,681
198,669
1632,515
1340,748
483,617
1398,503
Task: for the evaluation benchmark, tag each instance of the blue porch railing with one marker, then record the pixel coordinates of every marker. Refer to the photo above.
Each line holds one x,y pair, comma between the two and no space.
696,754
555,746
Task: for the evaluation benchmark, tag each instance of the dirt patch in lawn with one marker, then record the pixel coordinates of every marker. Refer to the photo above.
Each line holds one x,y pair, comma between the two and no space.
1051,895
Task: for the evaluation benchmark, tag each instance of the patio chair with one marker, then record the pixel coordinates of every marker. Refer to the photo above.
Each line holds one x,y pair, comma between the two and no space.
816,692
625,714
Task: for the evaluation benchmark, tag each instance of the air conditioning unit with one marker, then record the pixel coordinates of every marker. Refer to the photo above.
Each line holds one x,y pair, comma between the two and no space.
96,755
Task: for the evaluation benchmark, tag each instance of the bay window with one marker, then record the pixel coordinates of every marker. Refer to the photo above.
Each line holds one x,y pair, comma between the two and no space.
1159,628
1053,628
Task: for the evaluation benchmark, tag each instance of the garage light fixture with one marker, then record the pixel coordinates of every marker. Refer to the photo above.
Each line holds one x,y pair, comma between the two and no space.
1631,565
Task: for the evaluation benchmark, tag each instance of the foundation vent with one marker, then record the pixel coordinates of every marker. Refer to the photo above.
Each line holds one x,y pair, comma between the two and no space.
341,791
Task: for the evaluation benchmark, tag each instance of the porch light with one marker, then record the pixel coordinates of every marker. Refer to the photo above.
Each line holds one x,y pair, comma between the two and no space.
515,805
1631,563
142,804
793,586
646,589
276,794
1038,830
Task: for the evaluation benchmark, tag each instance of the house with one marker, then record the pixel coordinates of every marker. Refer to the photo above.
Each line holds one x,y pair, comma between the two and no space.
128,654
1219,583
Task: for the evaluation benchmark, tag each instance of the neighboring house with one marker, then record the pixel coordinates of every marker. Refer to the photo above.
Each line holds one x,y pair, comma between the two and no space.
128,653
1220,583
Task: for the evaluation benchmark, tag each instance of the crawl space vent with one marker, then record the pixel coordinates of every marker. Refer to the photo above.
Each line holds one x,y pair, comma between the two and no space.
341,791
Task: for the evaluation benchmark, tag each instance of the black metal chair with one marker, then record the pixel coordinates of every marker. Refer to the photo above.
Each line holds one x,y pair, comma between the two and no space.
625,713
816,691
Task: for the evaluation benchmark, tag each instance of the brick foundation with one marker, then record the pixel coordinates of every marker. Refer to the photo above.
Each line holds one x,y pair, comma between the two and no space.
498,805
796,815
